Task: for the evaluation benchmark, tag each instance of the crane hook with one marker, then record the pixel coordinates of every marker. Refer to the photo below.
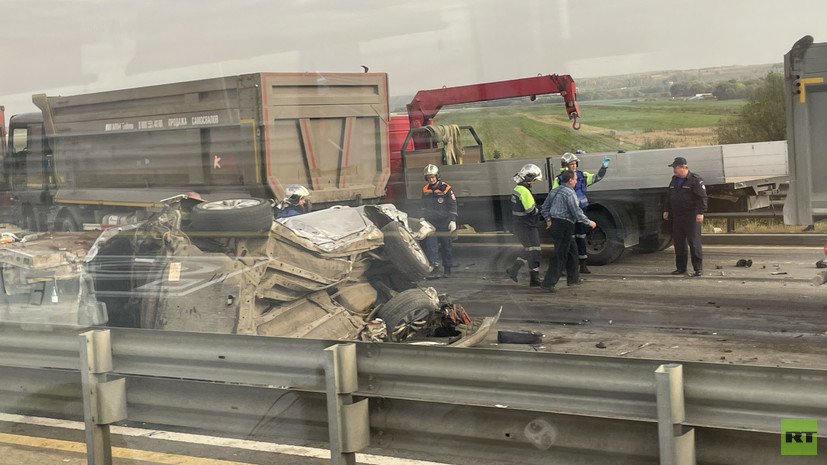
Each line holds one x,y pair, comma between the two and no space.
575,125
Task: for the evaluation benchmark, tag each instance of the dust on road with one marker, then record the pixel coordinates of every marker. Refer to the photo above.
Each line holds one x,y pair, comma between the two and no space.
768,314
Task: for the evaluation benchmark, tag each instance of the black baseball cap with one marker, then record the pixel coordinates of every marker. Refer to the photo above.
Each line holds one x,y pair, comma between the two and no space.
679,161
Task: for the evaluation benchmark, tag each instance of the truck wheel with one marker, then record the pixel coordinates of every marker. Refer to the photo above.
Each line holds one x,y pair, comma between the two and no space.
404,252
604,243
233,215
654,243
65,222
407,314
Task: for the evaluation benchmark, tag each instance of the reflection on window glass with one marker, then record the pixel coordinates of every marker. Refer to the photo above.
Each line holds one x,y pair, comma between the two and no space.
20,139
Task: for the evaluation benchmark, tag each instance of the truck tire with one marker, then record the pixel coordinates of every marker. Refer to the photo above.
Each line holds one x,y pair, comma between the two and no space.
407,314
232,215
604,243
66,223
654,243
404,252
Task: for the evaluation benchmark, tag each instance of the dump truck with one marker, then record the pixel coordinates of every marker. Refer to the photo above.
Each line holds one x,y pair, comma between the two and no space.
108,158
805,79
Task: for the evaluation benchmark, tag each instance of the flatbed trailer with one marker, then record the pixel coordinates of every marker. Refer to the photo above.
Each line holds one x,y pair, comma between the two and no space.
627,204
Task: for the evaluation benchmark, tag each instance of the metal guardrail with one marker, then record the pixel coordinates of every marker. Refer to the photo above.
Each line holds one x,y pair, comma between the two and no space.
502,406
808,239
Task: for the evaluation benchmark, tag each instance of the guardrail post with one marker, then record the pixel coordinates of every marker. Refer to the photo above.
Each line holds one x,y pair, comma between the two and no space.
348,422
677,442
104,401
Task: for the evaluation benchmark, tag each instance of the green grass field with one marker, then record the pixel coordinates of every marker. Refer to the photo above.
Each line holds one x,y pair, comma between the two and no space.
537,129
658,114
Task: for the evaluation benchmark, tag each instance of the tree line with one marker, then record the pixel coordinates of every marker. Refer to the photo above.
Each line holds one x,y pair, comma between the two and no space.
763,118
727,90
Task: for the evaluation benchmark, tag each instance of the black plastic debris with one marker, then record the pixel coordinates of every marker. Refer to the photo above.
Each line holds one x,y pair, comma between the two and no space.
745,263
519,336
821,264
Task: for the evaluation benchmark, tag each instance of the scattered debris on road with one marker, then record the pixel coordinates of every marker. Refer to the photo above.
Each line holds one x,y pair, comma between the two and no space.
519,336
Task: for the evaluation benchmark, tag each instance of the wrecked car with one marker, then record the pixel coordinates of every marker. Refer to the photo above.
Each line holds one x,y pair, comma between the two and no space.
346,273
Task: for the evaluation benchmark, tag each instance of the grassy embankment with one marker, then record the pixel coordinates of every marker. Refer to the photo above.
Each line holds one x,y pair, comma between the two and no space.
536,129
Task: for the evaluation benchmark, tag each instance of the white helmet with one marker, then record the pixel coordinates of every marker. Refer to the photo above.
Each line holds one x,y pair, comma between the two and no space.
528,173
567,158
431,170
294,193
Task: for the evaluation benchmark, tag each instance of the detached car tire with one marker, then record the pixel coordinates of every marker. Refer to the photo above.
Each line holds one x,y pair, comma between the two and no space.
404,252
232,215
407,314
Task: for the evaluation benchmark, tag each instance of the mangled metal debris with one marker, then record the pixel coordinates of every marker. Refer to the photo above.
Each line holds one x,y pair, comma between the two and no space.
341,273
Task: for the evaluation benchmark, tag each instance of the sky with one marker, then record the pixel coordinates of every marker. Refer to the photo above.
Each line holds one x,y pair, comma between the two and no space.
68,47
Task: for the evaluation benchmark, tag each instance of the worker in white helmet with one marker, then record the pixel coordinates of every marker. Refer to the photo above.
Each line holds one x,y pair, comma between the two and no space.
439,207
296,201
526,216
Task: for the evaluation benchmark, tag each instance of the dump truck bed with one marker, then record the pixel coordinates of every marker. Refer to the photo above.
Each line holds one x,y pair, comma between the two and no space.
246,135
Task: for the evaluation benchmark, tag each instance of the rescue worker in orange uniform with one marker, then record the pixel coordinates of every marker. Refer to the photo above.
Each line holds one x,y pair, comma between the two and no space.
439,207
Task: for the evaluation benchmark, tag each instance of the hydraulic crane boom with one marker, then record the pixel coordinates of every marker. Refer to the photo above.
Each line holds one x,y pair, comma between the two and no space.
427,103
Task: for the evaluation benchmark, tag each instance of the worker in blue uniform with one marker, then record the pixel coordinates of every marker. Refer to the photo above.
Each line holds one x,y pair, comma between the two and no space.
685,204
570,161
526,217
439,207
562,211
296,201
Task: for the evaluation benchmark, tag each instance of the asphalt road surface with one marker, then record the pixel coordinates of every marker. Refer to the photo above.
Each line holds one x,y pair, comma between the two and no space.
768,314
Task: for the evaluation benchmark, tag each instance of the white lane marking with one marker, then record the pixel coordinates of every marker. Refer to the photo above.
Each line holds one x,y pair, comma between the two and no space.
312,452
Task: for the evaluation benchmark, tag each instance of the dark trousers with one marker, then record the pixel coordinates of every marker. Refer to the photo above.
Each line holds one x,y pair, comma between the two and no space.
441,239
685,230
529,237
562,232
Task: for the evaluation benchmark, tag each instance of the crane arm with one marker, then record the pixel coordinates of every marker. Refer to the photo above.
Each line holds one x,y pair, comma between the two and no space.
427,103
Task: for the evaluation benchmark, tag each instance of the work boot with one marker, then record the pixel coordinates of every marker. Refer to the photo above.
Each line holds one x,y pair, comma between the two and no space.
447,272
535,279
515,268
436,273
583,267
548,287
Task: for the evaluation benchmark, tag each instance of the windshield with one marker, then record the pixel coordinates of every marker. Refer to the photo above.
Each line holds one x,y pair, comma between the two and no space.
514,215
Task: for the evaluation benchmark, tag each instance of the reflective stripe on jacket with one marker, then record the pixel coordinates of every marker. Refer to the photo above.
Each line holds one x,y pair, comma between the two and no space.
523,206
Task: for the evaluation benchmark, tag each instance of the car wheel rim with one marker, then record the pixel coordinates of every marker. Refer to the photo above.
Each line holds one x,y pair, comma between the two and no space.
231,204
410,326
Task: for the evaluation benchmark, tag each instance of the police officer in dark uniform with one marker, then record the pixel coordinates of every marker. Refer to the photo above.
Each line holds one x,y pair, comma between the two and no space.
439,207
526,216
686,203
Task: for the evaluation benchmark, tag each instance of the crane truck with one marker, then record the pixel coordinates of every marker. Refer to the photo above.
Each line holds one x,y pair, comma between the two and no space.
626,204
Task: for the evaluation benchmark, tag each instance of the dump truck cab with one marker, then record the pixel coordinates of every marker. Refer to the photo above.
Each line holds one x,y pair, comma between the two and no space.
28,168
